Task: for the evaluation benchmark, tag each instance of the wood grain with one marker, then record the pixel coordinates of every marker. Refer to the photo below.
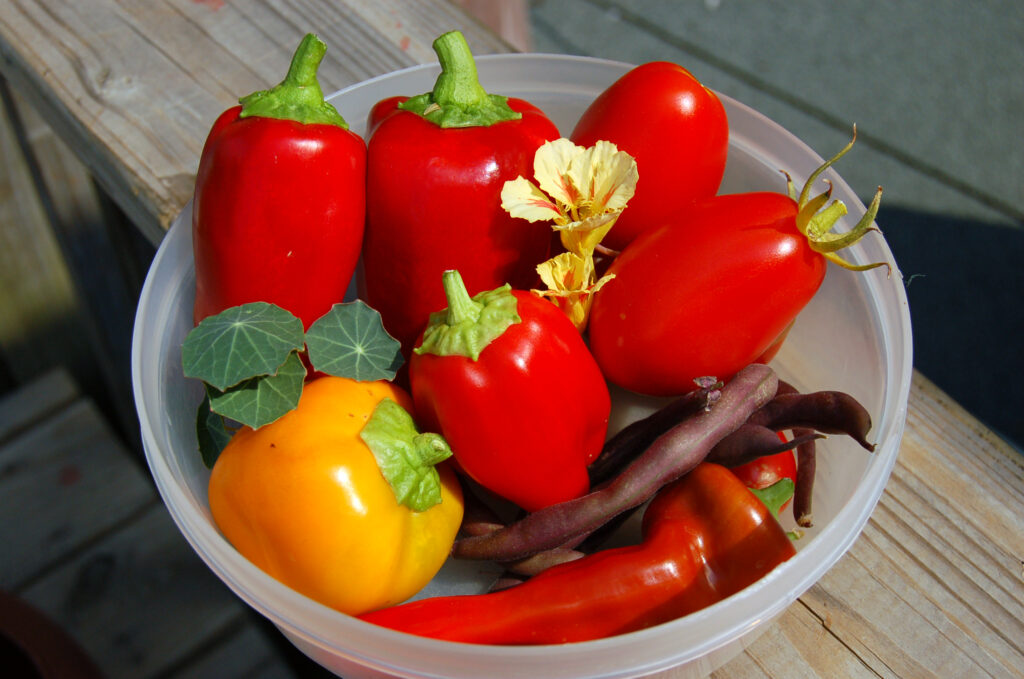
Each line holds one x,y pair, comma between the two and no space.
138,600
43,397
133,87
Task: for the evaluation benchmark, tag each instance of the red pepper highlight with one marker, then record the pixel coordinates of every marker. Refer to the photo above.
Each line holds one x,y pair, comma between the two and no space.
705,537
280,200
436,166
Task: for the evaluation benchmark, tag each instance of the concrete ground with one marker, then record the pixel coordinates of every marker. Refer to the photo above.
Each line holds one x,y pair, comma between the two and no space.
936,91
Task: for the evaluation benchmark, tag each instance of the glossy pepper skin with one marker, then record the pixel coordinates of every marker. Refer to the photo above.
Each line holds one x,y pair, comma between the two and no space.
526,409
434,195
705,537
279,205
303,499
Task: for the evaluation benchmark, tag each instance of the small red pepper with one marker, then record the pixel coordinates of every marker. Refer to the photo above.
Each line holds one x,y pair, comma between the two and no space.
768,470
279,200
436,165
705,537
506,378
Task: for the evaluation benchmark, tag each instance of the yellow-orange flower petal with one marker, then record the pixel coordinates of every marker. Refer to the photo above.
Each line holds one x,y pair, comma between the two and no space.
522,199
605,177
551,165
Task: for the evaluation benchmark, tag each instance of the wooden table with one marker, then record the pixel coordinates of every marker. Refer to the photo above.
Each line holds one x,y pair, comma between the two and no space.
933,587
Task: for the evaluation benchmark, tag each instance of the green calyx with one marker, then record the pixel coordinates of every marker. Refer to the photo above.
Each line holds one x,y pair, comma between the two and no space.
458,99
298,97
406,457
817,217
469,324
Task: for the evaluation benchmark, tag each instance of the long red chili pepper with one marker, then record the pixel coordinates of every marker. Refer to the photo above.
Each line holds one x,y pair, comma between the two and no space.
706,537
436,166
279,200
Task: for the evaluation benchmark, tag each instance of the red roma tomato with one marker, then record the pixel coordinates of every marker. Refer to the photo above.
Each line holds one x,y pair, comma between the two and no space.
718,286
674,127
705,295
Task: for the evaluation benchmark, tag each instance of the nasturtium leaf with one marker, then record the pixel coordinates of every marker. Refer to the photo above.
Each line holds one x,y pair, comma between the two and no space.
350,341
240,343
261,400
405,456
212,433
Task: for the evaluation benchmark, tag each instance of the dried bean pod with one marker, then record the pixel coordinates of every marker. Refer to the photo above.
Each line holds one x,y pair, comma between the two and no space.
753,441
807,452
634,438
829,412
806,461
670,456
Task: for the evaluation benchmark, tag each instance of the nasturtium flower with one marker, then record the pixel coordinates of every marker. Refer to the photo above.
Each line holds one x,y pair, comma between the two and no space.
581,191
571,285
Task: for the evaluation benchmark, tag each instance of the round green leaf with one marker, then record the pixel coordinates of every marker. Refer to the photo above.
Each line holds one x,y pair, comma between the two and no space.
350,341
240,343
261,400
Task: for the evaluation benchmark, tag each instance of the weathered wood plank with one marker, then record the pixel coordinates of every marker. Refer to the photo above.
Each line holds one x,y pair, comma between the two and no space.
34,402
63,483
795,646
86,540
244,654
132,88
38,315
70,302
138,601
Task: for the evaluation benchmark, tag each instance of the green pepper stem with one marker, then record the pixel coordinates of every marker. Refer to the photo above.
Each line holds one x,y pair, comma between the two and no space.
305,62
298,97
469,324
458,99
461,307
405,457
458,83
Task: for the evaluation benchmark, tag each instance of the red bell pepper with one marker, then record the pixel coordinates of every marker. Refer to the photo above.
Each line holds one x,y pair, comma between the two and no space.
705,537
506,378
436,164
279,200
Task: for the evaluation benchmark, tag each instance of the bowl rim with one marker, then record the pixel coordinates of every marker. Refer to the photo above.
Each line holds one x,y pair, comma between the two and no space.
313,623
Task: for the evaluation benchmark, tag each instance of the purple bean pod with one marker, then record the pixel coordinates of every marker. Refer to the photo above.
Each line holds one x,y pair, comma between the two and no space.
634,438
671,455
753,441
828,412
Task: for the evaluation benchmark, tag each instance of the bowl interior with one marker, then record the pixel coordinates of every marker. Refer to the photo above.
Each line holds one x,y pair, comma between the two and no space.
854,336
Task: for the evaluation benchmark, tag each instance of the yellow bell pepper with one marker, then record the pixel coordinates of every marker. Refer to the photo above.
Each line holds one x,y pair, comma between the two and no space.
305,499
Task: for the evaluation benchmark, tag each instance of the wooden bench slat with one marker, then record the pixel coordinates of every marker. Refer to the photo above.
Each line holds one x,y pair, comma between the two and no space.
35,402
139,601
245,654
63,483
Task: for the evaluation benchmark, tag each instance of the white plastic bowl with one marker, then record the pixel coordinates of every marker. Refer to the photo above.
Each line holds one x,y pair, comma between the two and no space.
854,336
